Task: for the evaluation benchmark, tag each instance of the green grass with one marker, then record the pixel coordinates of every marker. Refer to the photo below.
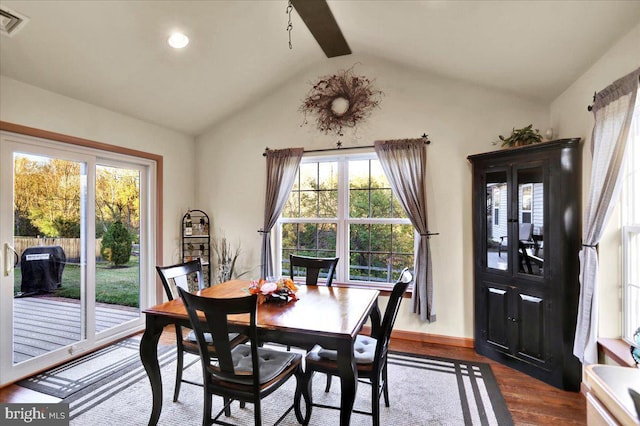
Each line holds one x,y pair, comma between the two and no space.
118,286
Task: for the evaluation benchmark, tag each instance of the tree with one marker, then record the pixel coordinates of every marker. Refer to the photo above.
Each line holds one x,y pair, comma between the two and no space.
375,248
117,197
116,244
47,196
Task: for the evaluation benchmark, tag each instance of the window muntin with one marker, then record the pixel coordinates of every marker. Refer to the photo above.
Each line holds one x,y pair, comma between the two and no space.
344,207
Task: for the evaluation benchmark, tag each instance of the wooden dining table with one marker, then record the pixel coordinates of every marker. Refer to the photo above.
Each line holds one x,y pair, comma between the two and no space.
328,316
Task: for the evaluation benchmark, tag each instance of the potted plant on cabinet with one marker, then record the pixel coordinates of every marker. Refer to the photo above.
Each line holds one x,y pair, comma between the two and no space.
520,137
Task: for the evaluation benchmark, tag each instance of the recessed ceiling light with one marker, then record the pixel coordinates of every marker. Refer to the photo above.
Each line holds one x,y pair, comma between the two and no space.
178,40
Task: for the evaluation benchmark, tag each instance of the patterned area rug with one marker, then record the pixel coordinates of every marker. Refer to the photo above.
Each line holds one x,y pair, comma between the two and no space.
110,387
91,371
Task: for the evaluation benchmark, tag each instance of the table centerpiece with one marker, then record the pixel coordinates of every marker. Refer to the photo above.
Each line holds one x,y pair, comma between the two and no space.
280,291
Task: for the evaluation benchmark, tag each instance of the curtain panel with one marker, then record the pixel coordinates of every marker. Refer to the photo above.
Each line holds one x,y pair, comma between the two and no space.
404,162
282,166
613,112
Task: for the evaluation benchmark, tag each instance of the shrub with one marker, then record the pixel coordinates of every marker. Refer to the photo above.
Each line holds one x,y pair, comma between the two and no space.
116,244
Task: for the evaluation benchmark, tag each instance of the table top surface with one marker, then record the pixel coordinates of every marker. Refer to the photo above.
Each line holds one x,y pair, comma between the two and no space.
332,311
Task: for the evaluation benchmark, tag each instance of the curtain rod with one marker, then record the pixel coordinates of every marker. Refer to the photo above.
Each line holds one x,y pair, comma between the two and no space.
340,148
590,107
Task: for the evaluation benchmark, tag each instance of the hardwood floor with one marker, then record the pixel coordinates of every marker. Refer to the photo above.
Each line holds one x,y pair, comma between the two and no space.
530,401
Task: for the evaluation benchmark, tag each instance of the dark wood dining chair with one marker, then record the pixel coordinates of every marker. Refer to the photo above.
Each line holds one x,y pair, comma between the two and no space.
189,277
247,373
312,266
370,354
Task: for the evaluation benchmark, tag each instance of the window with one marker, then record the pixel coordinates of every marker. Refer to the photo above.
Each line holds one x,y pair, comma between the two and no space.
344,207
631,232
526,197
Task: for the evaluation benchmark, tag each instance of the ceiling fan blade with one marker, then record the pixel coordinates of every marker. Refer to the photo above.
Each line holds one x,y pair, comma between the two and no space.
318,18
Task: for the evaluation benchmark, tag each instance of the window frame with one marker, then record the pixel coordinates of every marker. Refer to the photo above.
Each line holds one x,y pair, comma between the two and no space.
629,273
342,221
630,229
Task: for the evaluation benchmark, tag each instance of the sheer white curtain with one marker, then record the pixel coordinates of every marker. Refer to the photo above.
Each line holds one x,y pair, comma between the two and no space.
613,111
282,166
404,163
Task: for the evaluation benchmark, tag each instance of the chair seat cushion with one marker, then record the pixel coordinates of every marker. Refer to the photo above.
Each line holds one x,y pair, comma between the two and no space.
271,363
364,350
207,336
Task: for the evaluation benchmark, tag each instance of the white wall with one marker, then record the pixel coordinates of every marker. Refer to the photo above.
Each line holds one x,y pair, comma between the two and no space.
569,116
460,119
33,107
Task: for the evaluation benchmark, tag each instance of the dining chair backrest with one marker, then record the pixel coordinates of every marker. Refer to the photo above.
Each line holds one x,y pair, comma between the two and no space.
312,267
177,276
390,314
216,312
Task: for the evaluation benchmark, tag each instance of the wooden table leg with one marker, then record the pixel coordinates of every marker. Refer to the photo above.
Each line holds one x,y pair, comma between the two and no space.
149,358
348,379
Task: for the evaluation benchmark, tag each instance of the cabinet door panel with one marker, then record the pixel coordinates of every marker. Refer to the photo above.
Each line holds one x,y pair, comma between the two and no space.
497,318
531,330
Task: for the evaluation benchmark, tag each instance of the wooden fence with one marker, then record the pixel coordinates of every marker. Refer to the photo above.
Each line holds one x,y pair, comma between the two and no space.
71,246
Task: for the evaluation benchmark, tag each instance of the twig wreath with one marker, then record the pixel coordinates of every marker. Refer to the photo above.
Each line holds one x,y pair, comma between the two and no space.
340,100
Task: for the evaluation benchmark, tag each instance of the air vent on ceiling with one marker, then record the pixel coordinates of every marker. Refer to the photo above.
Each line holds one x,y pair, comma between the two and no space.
11,22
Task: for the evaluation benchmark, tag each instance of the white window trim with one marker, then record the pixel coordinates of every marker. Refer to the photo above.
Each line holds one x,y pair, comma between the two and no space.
343,221
627,277
630,226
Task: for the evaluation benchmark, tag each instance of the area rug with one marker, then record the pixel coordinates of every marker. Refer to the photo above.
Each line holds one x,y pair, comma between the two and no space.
91,371
423,391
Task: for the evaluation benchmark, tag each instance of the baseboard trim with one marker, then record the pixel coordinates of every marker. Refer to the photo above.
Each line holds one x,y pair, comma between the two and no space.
438,339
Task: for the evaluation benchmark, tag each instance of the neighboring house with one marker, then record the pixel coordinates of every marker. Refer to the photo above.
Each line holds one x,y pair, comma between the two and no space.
530,209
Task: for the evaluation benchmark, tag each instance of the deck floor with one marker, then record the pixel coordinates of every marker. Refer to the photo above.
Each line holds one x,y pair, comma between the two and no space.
43,324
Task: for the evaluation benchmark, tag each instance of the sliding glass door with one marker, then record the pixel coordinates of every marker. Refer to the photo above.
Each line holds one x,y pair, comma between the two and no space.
74,230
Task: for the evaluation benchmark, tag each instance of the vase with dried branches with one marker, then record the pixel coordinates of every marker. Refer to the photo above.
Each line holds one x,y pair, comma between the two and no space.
226,258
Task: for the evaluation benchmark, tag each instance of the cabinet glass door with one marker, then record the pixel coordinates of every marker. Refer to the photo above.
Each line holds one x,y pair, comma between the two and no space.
530,220
497,223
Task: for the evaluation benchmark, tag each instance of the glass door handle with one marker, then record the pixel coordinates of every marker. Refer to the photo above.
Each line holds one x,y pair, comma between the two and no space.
9,255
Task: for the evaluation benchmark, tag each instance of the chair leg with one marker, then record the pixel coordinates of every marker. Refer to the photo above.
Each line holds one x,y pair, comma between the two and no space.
227,406
385,386
179,367
257,412
375,400
303,391
327,387
206,409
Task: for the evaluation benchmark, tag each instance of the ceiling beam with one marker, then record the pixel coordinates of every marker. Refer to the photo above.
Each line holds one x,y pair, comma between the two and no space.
318,18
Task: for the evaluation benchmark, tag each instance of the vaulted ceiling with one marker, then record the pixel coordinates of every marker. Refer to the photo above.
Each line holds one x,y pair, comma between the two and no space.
114,54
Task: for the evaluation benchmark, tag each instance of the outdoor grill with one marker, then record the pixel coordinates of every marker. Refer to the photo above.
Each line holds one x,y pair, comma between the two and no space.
42,269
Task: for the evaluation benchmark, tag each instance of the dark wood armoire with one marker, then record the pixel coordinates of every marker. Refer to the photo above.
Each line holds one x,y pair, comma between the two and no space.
526,228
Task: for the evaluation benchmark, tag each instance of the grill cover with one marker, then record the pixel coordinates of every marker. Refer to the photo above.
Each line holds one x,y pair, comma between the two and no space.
42,269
